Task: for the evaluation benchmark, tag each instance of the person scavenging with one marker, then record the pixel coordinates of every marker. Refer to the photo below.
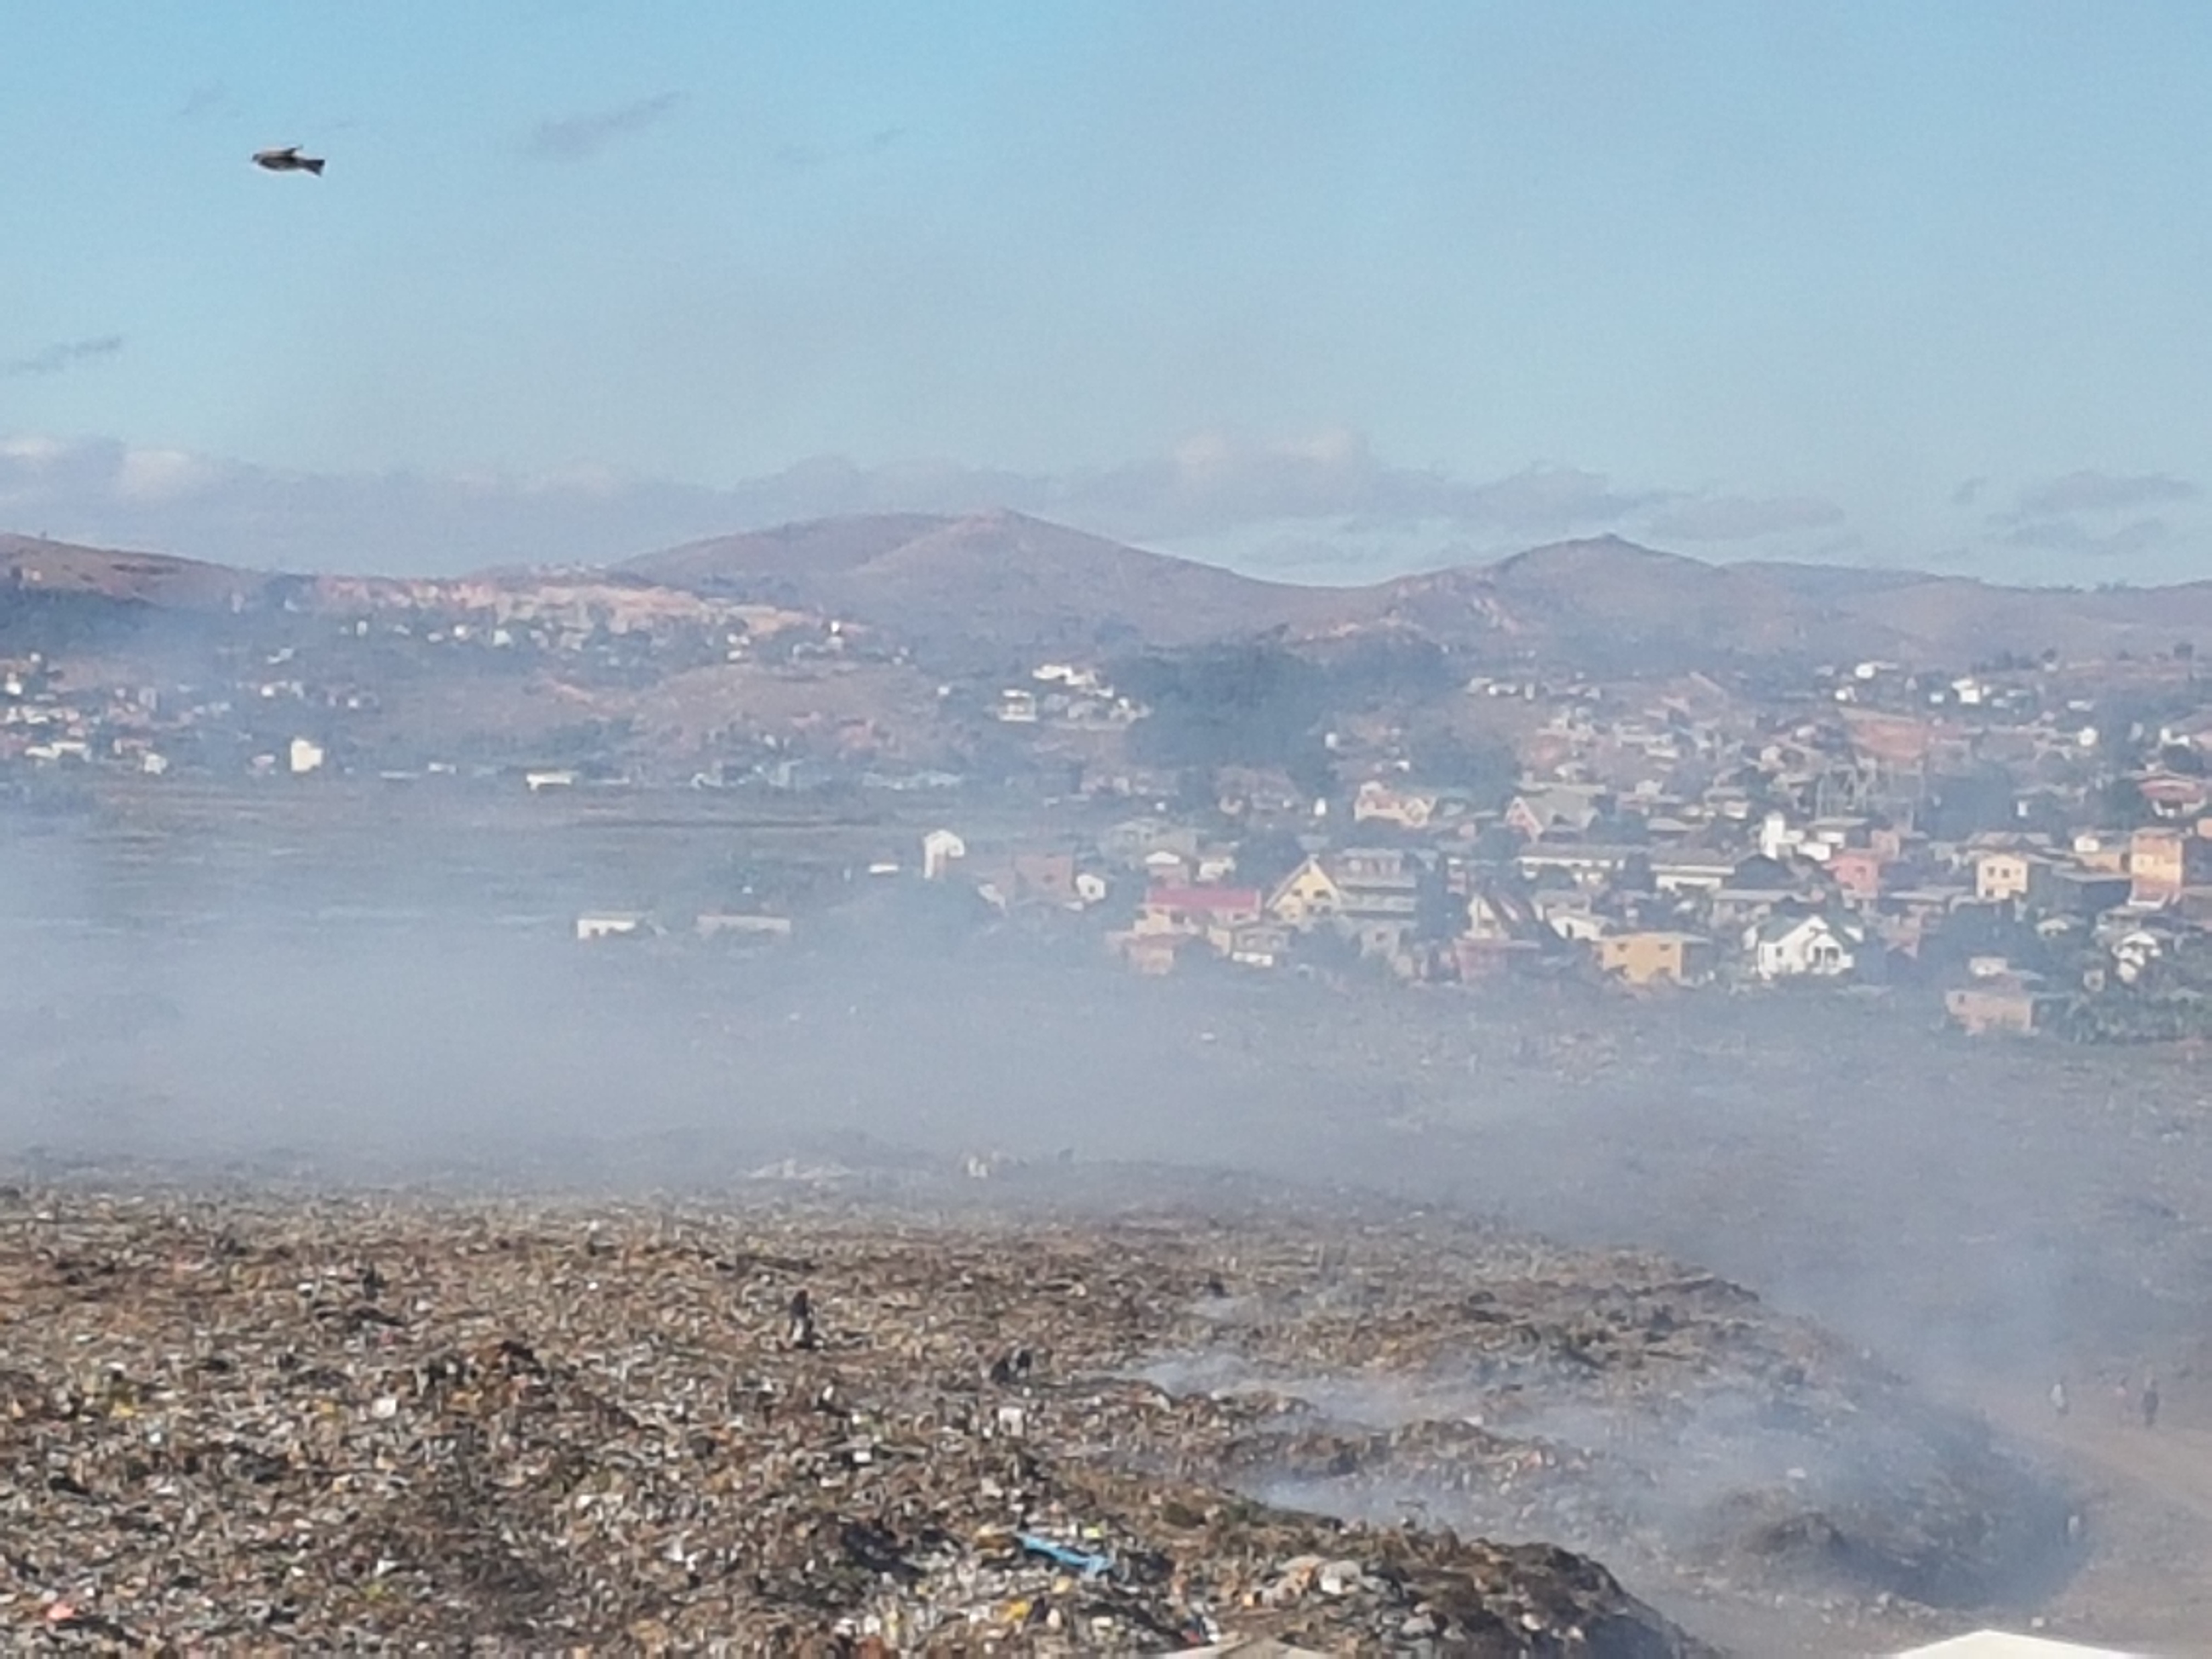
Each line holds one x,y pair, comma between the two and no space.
800,1332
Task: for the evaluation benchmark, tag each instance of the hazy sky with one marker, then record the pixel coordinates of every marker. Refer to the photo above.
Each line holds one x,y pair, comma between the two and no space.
1326,290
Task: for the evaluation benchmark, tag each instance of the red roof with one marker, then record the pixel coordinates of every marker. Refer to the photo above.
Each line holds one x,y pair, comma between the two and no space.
2174,789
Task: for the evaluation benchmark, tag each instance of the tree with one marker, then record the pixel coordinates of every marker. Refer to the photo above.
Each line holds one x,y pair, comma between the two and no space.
1195,793
1252,704
1485,766
1265,856
1966,802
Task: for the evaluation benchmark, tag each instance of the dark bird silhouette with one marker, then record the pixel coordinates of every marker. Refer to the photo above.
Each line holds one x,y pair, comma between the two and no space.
288,160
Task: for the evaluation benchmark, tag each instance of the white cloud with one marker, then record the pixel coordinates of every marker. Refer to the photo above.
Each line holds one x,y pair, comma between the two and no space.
32,452
155,474
1744,517
1317,503
2090,491
1215,481
2089,516
1214,487
2069,536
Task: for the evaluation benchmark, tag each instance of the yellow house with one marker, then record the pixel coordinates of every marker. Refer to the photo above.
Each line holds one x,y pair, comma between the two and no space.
2000,875
1308,895
1648,958
1408,808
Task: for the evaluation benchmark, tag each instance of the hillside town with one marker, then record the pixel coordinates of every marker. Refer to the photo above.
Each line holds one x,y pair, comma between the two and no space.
1802,871
2026,841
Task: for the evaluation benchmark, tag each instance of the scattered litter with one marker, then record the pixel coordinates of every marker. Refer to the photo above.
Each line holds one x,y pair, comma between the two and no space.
791,1426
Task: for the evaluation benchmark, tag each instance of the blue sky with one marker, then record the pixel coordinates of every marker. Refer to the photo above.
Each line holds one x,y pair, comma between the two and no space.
1326,291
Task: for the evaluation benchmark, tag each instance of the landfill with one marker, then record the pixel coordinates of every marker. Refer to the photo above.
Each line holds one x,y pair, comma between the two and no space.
237,1421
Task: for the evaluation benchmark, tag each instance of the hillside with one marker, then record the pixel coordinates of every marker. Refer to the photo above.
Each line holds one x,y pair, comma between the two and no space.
1000,578
33,565
814,550
1606,599
984,584
1957,620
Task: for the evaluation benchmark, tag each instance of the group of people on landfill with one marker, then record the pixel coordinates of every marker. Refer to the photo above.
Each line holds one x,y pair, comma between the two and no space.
2144,1401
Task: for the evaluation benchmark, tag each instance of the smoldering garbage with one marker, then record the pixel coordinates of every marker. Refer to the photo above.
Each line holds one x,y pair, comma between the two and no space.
402,1425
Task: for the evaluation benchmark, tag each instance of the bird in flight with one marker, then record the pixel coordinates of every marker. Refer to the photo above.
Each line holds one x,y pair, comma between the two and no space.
288,160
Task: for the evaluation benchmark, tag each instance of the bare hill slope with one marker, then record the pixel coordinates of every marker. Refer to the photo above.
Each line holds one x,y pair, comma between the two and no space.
32,564
1000,577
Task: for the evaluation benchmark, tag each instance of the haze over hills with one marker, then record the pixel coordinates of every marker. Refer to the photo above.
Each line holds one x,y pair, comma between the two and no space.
1003,581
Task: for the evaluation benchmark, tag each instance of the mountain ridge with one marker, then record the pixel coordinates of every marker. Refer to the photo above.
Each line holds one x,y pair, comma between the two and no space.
1003,580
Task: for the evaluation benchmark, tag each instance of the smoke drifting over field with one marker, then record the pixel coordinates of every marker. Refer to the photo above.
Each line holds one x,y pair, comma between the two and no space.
263,1005
1958,1207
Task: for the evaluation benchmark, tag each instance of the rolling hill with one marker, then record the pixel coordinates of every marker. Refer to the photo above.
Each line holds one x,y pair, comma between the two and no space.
990,585
1609,600
33,565
998,578
1005,580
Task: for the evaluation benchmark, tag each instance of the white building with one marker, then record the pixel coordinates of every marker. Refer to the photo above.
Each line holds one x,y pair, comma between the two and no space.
1778,838
1164,867
1789,947
609,924
305,755
1069,674
940,850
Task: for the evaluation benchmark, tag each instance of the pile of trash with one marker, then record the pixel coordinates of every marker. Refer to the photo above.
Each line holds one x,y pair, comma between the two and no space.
351,1424
1616,1404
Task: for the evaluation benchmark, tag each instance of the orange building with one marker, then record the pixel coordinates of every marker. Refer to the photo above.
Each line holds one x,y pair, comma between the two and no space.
2163,861
1653,958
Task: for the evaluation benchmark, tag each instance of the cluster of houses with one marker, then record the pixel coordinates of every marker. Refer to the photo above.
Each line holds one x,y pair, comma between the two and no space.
1668,832
1431,894
1068,694
1670,849
314,671
45,722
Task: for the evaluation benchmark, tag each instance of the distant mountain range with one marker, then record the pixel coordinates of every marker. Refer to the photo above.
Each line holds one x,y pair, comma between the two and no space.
1004,582
1003,577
